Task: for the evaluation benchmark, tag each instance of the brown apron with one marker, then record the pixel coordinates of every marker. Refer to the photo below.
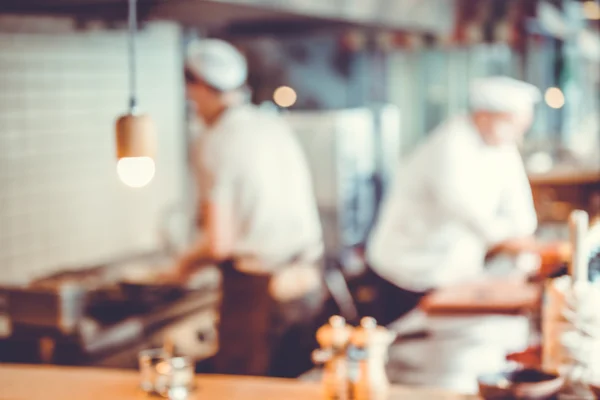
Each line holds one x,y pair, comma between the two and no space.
259,335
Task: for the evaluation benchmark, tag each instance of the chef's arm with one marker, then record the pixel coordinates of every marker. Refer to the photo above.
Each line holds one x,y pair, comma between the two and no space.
514,246
216,243
518,204
452,188
519,210
493,230
218,183
218,226
510,230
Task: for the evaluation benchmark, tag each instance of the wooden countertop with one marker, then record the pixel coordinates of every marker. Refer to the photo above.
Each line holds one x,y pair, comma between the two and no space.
21,382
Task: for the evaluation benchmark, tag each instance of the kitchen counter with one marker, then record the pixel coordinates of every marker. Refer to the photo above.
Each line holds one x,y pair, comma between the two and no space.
457,350
66,383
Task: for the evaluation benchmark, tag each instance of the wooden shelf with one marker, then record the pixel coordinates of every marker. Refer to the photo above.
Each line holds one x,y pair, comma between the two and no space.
566,177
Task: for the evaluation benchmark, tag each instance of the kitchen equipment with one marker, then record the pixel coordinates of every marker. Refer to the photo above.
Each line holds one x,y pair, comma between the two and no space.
103,326
58,308
351,154
530,384
333,338
90,277
116,302
369,350
55,302
149,284
109,293
151,293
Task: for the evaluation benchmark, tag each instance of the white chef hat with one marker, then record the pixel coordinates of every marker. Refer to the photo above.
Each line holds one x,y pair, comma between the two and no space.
218,63
503,94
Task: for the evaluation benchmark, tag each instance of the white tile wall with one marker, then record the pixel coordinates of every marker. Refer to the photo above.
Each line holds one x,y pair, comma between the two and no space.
61,89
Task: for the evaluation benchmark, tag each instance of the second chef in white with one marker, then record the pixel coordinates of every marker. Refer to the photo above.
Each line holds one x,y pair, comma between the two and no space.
461,194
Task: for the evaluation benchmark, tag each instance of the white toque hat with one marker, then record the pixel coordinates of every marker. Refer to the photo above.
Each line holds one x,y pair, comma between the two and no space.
503,94
217,63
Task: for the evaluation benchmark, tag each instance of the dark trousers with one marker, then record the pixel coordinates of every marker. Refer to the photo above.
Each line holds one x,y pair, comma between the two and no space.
389,301
261,336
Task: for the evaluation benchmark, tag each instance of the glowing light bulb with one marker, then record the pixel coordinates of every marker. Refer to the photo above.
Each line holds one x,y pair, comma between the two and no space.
285,96
136,172
554,97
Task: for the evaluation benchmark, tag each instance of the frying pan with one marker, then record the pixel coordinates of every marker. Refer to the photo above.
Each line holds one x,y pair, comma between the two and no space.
124,299
151,294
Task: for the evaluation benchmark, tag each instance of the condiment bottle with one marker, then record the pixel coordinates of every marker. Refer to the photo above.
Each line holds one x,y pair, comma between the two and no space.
574,387
369,347
593,240
333,338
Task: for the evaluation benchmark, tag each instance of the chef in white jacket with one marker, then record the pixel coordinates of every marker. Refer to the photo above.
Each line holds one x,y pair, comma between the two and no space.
463,193
259,219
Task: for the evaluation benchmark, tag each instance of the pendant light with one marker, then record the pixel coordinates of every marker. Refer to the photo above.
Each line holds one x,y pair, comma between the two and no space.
135,133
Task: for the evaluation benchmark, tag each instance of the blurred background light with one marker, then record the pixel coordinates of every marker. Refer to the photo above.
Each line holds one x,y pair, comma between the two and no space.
285,96
555,97
591,9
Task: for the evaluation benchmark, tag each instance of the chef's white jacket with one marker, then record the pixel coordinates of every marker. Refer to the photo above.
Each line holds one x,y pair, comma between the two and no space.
251,162
450,201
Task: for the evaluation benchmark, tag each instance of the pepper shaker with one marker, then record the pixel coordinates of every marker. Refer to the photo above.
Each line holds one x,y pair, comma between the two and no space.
370,345
333,338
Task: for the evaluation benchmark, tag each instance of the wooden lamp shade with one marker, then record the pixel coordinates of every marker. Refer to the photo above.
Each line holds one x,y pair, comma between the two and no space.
135,136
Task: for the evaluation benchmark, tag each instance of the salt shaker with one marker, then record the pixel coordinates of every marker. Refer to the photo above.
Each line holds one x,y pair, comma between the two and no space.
369,347
333,338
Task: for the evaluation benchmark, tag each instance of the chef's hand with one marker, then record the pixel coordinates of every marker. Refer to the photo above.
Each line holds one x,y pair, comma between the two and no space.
553,257
187,264
529,358
192,260
515,246
555,253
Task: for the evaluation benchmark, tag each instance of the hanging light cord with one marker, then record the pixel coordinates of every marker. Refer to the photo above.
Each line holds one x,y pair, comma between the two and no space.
132,67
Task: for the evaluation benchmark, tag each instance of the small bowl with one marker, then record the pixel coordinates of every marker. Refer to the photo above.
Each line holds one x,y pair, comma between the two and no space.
530,384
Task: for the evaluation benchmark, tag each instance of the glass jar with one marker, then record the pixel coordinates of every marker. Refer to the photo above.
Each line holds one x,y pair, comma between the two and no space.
175,378
148,361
